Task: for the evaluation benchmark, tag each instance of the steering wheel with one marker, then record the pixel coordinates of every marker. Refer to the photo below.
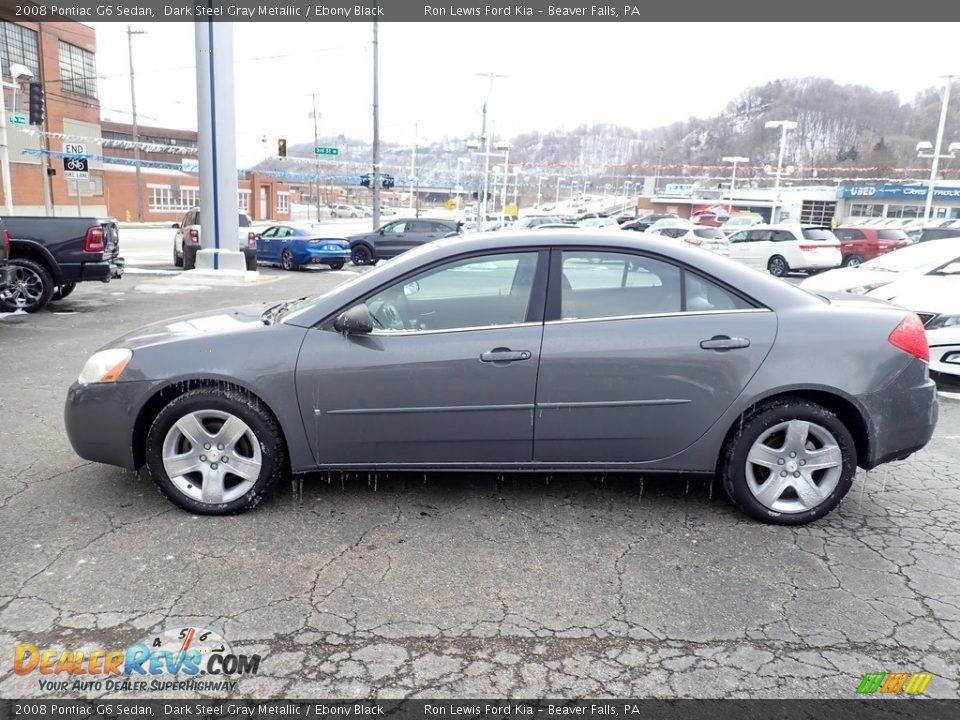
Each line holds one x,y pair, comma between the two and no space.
387,317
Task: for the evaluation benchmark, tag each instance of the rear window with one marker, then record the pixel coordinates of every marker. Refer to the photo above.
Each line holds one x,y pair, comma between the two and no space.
891,235
244,220
709,233
819,234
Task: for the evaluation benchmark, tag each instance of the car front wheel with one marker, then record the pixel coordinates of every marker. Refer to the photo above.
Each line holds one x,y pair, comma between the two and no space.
789,463
215,451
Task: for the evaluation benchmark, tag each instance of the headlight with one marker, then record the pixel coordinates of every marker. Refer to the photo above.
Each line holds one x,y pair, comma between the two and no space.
864,289
105,366
944,321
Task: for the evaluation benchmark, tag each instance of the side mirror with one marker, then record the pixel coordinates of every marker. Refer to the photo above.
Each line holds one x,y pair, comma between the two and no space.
381,231
355,321
176,226
950,269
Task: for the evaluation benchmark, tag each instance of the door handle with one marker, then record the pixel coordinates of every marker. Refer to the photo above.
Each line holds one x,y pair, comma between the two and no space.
724,342
498,355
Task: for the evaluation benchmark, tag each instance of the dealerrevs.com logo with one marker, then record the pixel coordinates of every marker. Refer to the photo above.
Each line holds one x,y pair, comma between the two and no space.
173,659
894,683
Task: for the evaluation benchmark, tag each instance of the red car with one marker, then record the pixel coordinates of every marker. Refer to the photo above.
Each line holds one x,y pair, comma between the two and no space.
861,243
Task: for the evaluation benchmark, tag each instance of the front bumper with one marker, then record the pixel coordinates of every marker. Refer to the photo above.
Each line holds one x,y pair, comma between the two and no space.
901,416
100,420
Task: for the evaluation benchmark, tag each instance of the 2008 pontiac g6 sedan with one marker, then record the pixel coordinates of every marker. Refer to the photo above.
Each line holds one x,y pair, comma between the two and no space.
564,351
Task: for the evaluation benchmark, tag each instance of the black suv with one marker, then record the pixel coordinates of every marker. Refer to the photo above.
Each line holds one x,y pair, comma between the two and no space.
398,236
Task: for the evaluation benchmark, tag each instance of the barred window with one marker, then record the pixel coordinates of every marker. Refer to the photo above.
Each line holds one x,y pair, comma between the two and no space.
161,198
18,45
243,200
78,70
283,202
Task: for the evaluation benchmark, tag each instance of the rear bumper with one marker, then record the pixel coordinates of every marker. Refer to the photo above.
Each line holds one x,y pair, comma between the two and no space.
323,256
902,416
88,271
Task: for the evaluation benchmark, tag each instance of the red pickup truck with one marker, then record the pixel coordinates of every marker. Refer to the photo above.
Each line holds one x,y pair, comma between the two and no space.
860,243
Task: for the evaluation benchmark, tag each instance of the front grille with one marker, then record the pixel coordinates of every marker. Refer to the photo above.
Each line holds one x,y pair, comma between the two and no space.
925,318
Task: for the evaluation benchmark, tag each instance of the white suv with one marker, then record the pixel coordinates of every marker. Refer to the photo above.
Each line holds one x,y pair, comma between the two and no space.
784,248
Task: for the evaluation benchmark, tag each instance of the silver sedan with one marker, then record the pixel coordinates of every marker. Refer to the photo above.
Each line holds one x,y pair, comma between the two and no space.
562,350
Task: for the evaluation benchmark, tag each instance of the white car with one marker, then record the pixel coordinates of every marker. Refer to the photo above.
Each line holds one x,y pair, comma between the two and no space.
780,249
599,223
531,221
740,222
708,238
669,222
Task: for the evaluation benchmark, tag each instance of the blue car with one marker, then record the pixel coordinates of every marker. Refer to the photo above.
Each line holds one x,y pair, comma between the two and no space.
292,245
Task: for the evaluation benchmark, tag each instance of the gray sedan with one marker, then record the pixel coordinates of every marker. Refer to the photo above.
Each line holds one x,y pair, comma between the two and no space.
553,351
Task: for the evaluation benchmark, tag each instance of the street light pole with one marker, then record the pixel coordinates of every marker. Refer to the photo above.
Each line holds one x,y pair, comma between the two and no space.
133,122
928,206
5,153
485,139
733,178
556,200
784,125
540,180
376,132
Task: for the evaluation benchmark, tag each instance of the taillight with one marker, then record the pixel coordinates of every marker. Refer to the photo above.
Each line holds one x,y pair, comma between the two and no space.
6,243
251,238
93,242
910,337
193,235
694,241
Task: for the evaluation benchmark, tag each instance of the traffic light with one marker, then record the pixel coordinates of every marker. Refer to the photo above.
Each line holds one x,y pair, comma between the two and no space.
365,180
387,181
282,147
36,103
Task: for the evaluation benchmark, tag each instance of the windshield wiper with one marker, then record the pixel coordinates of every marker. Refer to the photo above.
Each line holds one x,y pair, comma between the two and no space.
273,313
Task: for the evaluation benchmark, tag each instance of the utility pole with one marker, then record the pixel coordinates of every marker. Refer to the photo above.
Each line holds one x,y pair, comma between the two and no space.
414,183
376,128
316,158
136,134
4,152
485,136
928,204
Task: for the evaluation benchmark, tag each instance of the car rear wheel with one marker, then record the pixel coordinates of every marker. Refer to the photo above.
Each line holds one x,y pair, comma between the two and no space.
287,261
789,463
777,266
336,265
177,257
852,260
362,255
215,451
30,288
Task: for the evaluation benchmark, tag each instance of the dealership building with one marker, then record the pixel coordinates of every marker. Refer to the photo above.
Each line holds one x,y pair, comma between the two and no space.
859,200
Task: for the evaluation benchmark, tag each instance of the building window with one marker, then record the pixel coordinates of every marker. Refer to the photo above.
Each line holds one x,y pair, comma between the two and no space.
283,202
161,199
78,70
18,45
243,200
863,210
189,197
904,211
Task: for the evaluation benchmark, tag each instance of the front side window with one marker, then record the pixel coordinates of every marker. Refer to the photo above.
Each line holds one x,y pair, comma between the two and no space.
493,290
395,228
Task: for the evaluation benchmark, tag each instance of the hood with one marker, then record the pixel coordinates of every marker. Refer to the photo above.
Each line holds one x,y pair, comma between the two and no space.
930,293
843,279
217,322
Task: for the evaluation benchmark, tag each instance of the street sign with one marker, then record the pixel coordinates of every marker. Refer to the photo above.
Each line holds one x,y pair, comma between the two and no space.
74,149
16,119
326,151
76,168
450,204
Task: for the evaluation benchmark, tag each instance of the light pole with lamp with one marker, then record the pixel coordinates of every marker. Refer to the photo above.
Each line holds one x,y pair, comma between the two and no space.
16,72
540,180
457,188
586,184
784,125
556,200
936,154
516,185
733,178
496,172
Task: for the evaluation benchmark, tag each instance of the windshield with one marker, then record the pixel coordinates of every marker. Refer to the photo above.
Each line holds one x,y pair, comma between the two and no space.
915,257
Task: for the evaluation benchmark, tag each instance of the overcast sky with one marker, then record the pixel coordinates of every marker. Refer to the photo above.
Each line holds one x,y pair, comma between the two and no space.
560,74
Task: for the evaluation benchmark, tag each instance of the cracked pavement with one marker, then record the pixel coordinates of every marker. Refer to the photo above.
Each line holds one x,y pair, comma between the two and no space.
405,585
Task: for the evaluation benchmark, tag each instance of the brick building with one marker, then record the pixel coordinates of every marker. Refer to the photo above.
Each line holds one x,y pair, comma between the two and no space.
62,55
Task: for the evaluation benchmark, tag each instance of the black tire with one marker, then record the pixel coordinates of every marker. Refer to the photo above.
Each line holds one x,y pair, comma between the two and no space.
177,257
61,291
853,260
31,289
362,255
777,266
189,257
286,260
336,265
733,462
235,402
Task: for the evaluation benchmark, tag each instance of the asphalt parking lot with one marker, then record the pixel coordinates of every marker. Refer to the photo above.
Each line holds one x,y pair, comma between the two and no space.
463,586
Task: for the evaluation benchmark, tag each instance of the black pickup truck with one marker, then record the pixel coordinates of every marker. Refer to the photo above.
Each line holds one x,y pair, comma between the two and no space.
48,256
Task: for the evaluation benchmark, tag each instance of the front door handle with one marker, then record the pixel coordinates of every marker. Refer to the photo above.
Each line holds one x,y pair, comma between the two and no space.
724,342
498,355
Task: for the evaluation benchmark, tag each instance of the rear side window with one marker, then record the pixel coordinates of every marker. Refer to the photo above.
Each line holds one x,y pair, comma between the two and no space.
782,236
892,235
818,234
849,234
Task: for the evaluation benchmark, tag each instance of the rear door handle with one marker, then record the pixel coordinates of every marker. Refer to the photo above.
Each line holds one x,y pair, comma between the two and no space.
724,342
498,355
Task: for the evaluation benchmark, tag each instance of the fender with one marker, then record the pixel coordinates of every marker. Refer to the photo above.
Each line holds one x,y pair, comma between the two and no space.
21,248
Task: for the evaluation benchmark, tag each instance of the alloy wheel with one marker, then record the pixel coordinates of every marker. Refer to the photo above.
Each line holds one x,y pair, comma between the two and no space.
25,289
794,466
212,456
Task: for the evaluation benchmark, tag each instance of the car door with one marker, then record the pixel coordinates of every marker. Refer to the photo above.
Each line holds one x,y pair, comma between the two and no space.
266,245
391,240
419,232
740,246
447,376
640,357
